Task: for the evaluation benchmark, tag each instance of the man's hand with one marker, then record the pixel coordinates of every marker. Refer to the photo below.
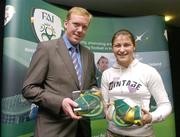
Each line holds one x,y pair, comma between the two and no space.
68,105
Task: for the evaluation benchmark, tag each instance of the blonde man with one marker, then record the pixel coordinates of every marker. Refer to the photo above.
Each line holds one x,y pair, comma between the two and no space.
52,77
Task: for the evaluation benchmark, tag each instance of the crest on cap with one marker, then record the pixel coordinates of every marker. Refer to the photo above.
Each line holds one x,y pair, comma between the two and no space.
126,113
89,104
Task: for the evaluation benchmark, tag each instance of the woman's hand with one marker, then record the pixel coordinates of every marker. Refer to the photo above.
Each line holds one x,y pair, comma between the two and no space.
146,117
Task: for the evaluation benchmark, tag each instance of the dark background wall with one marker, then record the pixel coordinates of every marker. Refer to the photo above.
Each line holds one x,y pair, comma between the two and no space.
1,29
2,2
174,50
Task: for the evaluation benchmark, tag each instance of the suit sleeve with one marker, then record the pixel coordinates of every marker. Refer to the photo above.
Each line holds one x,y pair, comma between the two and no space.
33,89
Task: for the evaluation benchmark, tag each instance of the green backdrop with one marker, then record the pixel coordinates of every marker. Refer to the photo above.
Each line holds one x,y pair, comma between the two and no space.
20,41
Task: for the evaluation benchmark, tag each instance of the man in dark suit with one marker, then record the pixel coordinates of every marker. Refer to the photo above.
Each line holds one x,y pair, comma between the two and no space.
52,77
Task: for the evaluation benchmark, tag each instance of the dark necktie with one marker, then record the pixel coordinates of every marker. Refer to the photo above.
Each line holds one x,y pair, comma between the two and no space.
76,64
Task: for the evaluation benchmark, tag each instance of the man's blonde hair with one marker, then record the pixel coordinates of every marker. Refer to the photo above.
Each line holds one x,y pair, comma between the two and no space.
78,11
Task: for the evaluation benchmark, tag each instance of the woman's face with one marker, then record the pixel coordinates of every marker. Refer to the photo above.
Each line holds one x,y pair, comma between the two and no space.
123,49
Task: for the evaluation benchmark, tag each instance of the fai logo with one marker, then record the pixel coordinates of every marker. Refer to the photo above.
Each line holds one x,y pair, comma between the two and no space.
47,25
9,12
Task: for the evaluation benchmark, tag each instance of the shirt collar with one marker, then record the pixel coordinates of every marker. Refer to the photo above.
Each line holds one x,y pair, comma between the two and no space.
68,43
133,63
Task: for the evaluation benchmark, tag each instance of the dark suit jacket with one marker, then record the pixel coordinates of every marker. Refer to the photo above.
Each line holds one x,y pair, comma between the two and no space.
50,78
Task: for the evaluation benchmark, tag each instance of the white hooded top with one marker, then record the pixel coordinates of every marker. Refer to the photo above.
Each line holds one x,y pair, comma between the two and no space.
138,82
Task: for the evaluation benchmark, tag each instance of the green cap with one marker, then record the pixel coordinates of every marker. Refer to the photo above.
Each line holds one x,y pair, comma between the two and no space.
125,115
89,104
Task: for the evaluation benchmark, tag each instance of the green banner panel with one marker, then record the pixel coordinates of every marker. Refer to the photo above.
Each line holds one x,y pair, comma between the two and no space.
28,22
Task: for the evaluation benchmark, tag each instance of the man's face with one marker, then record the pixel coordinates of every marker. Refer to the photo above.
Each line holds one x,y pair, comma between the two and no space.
76,28
103,64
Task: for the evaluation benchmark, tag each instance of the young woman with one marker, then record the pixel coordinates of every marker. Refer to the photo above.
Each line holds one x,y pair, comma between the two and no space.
129,79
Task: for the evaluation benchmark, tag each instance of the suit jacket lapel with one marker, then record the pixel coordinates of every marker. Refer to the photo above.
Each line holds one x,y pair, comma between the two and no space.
62,49
84,61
